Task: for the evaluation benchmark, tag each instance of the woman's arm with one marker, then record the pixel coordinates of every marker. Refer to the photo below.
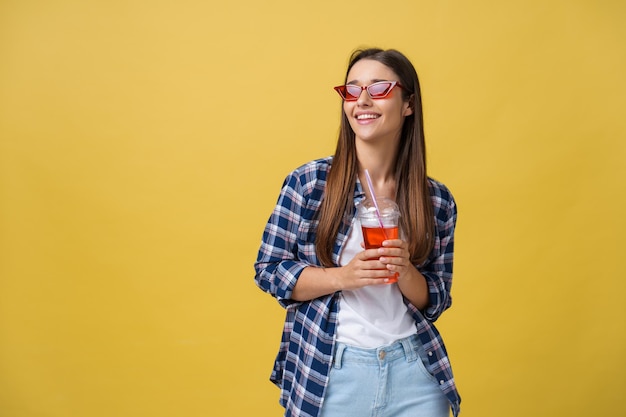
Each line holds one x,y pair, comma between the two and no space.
363,270
277,266
394,255
428,286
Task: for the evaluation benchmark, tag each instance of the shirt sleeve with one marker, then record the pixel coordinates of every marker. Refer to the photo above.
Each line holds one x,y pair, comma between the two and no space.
277,266
438,268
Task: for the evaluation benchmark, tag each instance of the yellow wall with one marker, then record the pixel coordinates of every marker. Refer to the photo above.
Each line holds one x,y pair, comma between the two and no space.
143,144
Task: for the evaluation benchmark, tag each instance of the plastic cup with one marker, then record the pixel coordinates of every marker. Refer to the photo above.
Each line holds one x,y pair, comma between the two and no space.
379,226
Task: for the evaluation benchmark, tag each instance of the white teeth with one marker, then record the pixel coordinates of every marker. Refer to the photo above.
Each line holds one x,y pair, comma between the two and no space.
367,116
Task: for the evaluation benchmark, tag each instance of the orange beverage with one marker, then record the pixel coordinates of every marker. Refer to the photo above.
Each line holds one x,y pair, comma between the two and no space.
379,222
373,238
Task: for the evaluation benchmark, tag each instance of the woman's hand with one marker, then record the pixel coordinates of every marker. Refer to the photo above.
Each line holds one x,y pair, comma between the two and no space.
363,270
396,257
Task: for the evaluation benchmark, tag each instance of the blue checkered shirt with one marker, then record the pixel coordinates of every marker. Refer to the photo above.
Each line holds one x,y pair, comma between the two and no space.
288,246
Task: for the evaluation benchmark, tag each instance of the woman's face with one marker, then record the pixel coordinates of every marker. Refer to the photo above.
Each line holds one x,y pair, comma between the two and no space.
380,119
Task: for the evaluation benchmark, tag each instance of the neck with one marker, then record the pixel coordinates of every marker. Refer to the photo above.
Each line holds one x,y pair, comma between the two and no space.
379,164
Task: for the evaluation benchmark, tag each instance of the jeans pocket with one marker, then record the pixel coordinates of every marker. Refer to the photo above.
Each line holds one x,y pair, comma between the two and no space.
422,363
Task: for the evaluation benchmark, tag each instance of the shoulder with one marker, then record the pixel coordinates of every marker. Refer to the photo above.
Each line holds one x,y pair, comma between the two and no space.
442,198
312,174
439,189
315,167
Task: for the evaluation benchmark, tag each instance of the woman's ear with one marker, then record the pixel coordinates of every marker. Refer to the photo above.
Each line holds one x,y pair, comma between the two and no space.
409,106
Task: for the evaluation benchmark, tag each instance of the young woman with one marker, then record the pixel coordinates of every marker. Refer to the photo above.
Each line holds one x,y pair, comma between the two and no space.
354,344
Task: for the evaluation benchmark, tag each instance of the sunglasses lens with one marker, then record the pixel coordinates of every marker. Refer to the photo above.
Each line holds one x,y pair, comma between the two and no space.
379,90
352,92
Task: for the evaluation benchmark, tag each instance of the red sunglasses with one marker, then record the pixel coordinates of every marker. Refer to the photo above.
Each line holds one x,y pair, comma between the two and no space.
376,91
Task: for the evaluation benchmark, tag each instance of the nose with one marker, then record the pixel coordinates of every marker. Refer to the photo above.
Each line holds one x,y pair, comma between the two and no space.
364,98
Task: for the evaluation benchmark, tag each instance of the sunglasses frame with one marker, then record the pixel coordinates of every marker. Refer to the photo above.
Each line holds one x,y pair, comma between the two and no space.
342,89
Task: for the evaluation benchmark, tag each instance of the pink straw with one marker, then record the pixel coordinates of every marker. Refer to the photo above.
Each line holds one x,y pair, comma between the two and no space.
371,187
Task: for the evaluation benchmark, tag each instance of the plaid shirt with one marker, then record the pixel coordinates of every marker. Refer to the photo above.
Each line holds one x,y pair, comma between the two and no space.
288,246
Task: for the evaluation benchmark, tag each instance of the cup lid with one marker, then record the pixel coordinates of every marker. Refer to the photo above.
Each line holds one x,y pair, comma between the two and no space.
386,206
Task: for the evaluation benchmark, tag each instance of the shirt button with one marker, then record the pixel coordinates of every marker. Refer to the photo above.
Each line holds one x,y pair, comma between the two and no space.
442,382
430,353
381,355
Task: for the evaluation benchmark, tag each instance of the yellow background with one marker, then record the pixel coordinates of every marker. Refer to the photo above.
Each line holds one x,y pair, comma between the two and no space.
143,144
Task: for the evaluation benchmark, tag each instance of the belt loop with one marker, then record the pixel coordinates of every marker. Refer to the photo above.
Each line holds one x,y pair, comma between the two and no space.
338,355
409,344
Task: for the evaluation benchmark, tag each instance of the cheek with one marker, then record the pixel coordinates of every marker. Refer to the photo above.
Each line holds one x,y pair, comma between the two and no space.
347,110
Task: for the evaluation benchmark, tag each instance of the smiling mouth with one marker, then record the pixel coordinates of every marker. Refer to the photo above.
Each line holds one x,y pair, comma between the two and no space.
367,116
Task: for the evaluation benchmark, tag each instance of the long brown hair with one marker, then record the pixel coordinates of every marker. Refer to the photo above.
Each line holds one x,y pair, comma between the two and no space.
412,190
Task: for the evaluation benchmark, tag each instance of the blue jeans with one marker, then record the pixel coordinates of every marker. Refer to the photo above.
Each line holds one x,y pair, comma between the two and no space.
389,381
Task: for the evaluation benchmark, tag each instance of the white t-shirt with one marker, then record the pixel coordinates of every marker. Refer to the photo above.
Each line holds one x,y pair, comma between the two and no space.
371,316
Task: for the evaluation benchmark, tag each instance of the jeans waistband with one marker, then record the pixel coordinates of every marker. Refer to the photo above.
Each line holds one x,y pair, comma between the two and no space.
406,348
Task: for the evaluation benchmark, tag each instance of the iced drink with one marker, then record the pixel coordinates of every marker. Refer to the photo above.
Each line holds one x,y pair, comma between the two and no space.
373,233
373,237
